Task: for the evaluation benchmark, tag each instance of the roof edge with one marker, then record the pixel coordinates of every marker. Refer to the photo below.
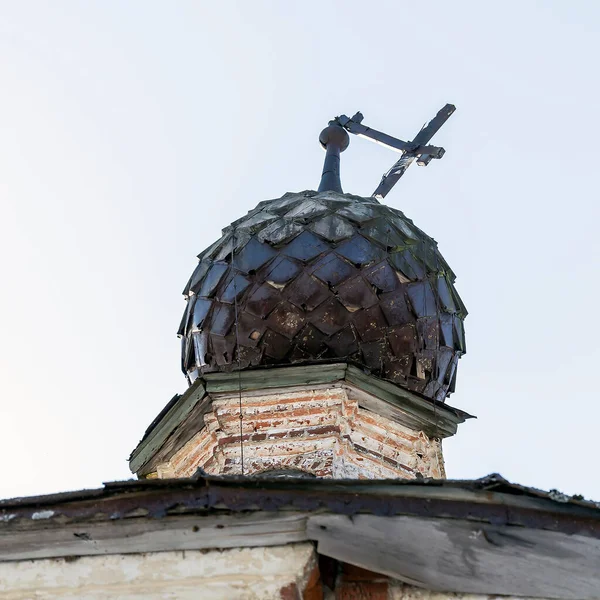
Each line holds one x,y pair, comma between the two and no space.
435,418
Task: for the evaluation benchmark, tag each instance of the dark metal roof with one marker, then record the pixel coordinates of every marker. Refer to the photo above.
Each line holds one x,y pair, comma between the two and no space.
348,496
319,276
484,536
161,497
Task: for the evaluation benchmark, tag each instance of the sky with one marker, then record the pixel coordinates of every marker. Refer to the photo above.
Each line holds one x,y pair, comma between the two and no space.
131,132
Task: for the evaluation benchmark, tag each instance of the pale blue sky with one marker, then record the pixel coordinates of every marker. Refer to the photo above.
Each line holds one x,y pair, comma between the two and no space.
132,132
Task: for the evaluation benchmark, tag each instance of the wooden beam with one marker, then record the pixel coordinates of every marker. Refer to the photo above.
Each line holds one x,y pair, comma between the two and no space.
124,536
462,556
435,419
387,398
157,437
275,377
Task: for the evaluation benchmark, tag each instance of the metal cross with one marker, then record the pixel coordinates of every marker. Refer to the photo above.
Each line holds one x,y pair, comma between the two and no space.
418,149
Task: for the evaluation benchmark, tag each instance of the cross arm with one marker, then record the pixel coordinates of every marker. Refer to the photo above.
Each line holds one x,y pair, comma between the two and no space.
354,125
408,156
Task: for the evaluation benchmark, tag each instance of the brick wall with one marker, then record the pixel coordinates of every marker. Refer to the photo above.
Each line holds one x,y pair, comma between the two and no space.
320,430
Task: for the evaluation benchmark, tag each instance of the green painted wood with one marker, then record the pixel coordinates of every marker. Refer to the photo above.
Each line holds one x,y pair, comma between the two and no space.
437,421
277,377
182,408
181,435
433,420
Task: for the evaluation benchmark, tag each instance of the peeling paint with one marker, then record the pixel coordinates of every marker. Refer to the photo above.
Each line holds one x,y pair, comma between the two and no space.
42,514
244,573
322,430
558,496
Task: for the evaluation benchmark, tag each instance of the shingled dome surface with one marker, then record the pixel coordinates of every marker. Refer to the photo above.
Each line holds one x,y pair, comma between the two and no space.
325,276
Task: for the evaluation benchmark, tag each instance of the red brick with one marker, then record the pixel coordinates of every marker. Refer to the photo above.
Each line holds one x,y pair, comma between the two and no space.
312,425
354,573
364,590
290,592
314,587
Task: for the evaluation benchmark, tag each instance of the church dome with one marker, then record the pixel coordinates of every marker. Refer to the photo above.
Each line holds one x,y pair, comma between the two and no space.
322,277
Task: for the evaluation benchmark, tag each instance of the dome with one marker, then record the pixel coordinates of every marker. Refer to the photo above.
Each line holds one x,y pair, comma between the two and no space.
322,277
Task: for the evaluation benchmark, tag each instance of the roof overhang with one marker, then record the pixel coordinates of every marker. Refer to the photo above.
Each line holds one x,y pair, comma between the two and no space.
485,537
182,418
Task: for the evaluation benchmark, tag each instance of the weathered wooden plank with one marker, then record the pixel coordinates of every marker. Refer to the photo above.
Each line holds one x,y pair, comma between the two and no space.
462,556
274,378
383,408
382,397
434,420
182,434
188,532
157,437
